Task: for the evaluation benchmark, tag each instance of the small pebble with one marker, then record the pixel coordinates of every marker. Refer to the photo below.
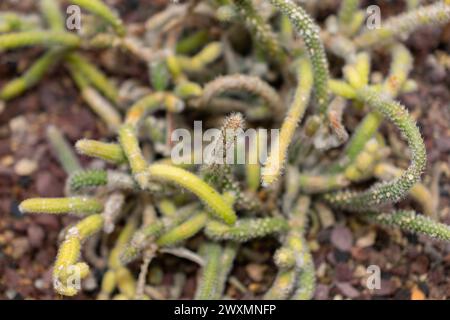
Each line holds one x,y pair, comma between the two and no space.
342,238
367,241
10,294
347,289
90,284
25,167
322,292
255,271
20,247
39,284
36,235
7,160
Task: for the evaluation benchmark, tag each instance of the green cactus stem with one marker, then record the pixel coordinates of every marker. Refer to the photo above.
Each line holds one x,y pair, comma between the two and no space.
98,8
261,30
16,40
31,77
207,286
63,150
405,24
410,221
191,182
396,189
309,31
246,229
109,152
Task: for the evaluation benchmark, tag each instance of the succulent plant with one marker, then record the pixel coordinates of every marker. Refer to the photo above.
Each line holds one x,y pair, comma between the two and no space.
228,205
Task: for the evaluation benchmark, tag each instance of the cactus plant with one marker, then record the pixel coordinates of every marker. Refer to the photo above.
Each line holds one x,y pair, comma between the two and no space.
148,204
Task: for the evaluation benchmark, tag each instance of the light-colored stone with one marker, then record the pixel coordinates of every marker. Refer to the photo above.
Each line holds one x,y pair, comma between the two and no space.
25,167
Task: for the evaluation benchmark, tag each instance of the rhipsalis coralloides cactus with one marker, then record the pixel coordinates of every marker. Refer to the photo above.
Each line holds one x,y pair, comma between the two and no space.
160,187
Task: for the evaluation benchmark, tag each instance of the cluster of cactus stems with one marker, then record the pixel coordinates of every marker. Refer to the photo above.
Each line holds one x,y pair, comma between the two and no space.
219,207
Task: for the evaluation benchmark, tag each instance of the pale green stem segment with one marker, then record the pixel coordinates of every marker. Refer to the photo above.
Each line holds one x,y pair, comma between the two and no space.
115,260
182,215
401,66
159,75
100,105
392,191
61,205
284,257
207,287
114,180
63,150
283,285
98,8
363,67
167,208
253,175
246,229
192,43
420,193
365,130
66,264
183,231
347,12
413,4
200,61
210,197
261,30
68,255
143,106
125,283
296,275
410,221
122,250
11,21
311,183
342,88
52,13
86,227
130,145
31,77
108,285
94,76
404,24
30,38
296,241
306,281
240,82
277,158
110,152
188,90
226,264
309,32
142,238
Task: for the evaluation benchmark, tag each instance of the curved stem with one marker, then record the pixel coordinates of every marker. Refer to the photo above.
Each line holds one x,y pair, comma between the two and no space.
209,196
396,189
277,157
309,31
98,8
410,221
242,82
